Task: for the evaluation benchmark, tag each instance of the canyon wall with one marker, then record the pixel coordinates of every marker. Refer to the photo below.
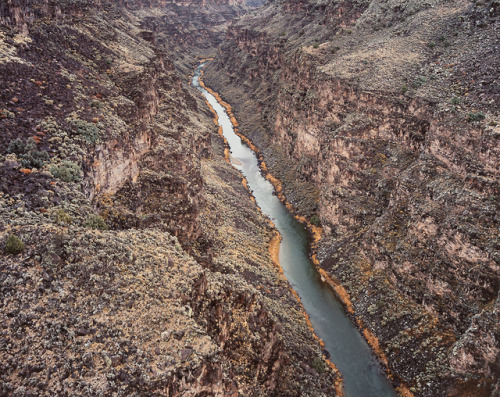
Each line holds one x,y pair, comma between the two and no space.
381,122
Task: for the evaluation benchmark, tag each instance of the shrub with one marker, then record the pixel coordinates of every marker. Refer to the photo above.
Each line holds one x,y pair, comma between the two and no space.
67,171
14,245
334,49
431,44
404,89
35,159
477,116
319,365
95,222
30,156
316,45
16,146
89,131
61,216
315,220
455,100
95,103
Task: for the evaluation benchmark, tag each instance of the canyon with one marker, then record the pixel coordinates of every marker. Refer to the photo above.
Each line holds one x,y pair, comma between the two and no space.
147,268
369,117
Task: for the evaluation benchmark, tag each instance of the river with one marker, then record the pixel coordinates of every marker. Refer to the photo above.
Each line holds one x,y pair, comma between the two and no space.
361,371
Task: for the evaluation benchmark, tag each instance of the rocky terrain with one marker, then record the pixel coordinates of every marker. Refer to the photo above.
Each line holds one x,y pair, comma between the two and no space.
380,118
133,260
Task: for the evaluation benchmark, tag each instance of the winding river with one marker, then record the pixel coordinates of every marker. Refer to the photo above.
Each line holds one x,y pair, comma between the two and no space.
350,353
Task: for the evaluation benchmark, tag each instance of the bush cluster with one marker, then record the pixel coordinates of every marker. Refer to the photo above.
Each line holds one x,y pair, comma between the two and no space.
61,217
28,153
319,365
89,131
67,171
95,222
315,220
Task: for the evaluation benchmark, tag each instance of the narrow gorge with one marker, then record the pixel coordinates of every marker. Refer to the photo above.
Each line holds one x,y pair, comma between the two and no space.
140,252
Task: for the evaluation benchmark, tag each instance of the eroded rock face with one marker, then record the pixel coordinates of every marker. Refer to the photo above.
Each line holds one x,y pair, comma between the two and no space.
145,268
395,159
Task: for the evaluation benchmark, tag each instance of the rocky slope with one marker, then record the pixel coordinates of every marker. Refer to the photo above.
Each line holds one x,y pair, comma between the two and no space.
381,120
133,260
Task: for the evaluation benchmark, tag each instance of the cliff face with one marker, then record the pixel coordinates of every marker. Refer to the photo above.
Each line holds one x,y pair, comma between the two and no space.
382,123
145,266
92,96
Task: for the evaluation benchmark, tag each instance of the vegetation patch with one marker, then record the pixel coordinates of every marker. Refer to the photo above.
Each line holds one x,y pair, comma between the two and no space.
478,116
62,217
88,131
28,153
14,245
68,171
96,222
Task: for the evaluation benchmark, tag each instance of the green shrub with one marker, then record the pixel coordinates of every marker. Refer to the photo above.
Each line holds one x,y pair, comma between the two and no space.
419,81
404,89
315,220
16,146
95,222
431,44
89,131
443,40
477,116
67,171
334,49
61,216
27,151
455,100
35,159
316,45
319,365
14,245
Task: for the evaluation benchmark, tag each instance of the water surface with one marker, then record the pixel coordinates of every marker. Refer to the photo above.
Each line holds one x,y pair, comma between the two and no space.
351,354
